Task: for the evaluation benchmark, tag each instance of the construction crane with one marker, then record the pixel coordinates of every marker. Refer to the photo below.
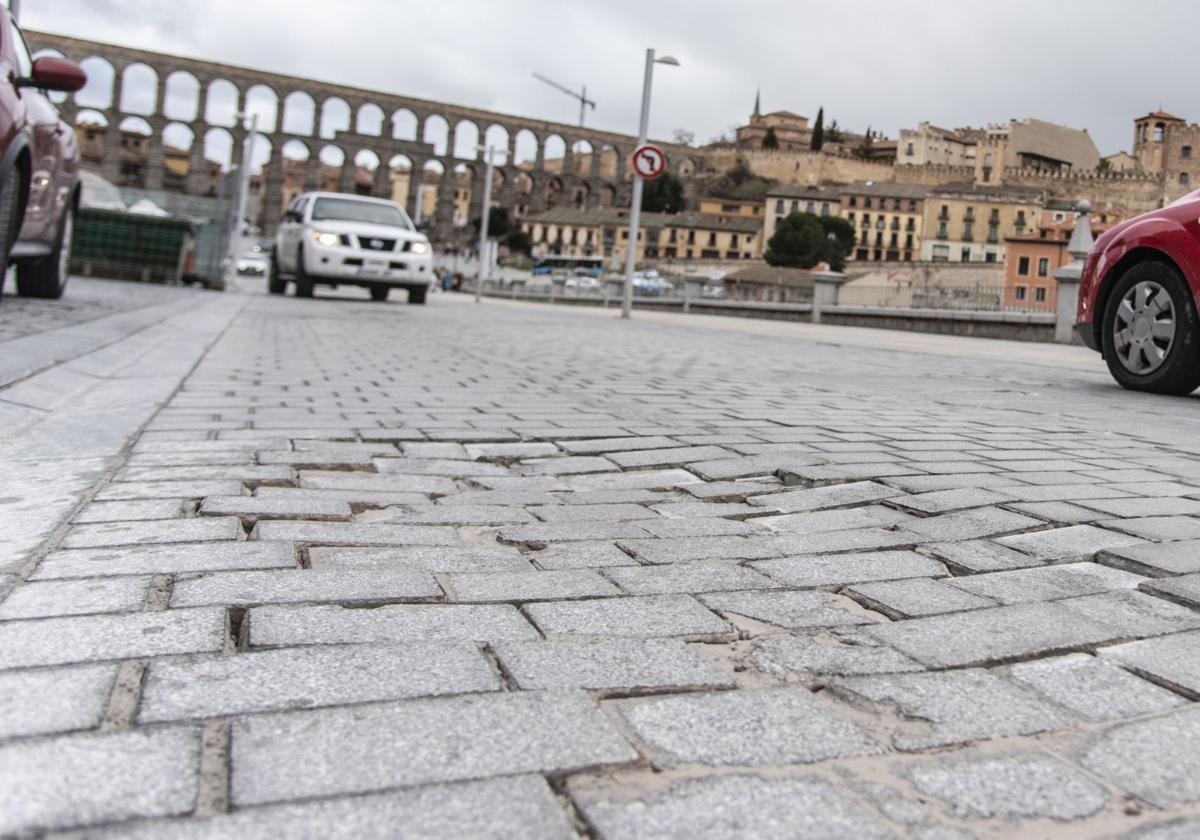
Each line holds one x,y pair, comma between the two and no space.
584,102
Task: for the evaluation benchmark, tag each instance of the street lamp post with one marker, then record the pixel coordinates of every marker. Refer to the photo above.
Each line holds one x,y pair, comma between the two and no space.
235,234
483,224
635,210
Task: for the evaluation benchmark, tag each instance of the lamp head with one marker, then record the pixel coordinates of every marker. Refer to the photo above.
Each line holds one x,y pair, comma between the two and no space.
667,59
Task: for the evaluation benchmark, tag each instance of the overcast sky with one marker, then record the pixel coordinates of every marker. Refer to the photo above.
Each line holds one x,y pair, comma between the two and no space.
1093,64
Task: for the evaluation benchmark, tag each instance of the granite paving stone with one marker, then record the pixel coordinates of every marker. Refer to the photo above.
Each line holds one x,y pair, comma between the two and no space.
421,558
621,665
1155,559
389,483
915,597
308,677
458,515
103,534
840,569
675,456
1132,614
1064,513
732,491
793,610
707,526
823,498
354,533
255,508
581,555
1009,787
137,490
749,727
544,533
971,524
493,809
166,559
303,585
591,513
58,641
1145,507
53,700
1172,661
813,657
527,586
744,806
1073,542
687,577
943,501
1046,583
300,754
1092,688
76,780
941,709
646,616
980,556
278,626
868,516
1157,528
1157,760
42,599
357,499
131,510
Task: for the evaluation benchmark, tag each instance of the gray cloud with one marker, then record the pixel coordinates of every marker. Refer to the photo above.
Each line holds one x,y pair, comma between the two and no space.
1093,65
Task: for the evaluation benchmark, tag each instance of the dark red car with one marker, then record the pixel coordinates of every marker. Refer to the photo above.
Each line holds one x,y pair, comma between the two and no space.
1137,299
39,165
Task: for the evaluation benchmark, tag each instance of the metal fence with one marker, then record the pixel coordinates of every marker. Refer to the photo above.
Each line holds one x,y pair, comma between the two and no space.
976,298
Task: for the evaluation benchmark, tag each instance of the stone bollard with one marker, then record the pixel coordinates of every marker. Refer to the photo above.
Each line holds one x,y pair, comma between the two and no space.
1069,275
825,291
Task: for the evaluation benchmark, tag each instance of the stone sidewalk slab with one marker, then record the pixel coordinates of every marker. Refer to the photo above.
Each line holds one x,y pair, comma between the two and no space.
635,666
166,559
290,586
276,626
648,616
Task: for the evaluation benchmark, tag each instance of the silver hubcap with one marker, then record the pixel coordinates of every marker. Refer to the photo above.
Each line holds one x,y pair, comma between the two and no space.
64,254
1145,328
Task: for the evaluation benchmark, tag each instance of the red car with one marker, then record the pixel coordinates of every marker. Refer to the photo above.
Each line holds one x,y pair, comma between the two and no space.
39,166
1138,297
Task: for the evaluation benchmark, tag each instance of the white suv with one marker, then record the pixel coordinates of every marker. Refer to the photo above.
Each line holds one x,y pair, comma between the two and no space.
335,239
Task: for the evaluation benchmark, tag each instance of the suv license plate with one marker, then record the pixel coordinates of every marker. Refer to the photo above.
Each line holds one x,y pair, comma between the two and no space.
373,268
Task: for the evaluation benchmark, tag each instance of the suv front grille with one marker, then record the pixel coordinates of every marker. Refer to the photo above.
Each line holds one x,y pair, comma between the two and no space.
375,243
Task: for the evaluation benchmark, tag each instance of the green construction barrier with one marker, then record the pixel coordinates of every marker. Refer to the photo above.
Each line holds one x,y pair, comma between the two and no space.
132,246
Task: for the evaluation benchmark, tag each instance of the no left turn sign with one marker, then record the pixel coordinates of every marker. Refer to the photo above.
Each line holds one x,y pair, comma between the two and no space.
649,161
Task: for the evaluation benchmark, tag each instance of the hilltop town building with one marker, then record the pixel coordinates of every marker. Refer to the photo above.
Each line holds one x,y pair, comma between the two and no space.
791,130
784,199
965,223
887,220
1033,145
928,144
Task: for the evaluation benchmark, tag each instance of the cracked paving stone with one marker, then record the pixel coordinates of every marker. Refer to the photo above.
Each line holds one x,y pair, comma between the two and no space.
47,702
421,559
915,597
625,665
302,754
646,616
1092,688
1157,760
813,657
310,677
581,555
731,491
748,807
941,709
748,727
1009,787
493,809
58,641
284,586
971,524
104,534
273,626
1073,542
166,559
836,520
687,577
794,610
42,599
841,569
354,533
1173,661
77,780
527,586
1047,583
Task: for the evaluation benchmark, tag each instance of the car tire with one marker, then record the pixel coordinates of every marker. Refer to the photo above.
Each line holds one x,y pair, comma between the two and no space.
1150,333
276,284
417,295
379,293
10,216
47,277
304,283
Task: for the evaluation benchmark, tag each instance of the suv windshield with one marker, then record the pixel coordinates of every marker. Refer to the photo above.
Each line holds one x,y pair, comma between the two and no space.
348,210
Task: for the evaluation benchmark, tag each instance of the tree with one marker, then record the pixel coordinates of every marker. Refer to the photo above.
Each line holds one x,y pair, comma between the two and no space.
499,225
770,141
802,240
834,134
863,149
663,195
818,135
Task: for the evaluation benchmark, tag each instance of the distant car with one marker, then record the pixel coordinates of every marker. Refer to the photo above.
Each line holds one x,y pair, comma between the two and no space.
333,239
39,165
252,265
1137,299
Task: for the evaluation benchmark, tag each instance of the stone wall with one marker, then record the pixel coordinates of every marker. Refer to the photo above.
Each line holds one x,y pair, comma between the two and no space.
799,167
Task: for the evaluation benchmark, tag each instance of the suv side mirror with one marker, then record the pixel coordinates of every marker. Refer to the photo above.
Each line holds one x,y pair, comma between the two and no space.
55,74
293,216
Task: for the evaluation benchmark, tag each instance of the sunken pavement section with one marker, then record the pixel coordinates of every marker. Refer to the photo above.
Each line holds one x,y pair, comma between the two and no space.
504,572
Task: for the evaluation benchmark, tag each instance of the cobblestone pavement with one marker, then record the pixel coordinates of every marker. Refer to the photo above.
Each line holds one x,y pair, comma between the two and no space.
507,571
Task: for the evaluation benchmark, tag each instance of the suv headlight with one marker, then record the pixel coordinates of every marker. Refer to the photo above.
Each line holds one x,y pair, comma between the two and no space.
419,248
326,239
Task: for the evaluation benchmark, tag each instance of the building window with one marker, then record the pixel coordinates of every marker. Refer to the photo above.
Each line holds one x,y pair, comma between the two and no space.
942,233
990,256
1183,179
1039,294
853,201
691,238
1185,152
824,208
779,206
1044,267
795,206
867,202
912,205
712,239
1023,267
908,150
850,218
941,253
965,254
1020,293
896,204
1159,130
733,241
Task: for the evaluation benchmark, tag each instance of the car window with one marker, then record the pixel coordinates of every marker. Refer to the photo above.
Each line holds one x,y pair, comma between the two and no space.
348,210
21,50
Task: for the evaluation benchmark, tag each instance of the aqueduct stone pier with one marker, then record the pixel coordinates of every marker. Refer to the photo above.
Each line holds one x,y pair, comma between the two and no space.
540,164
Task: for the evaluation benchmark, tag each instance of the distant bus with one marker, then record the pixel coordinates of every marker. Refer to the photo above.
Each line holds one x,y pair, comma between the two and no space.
555,264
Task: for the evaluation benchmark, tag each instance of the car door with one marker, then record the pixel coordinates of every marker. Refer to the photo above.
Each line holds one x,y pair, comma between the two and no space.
41,211
285,243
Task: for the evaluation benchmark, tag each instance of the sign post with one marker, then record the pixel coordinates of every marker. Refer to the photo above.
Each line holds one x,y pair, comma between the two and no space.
648,163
